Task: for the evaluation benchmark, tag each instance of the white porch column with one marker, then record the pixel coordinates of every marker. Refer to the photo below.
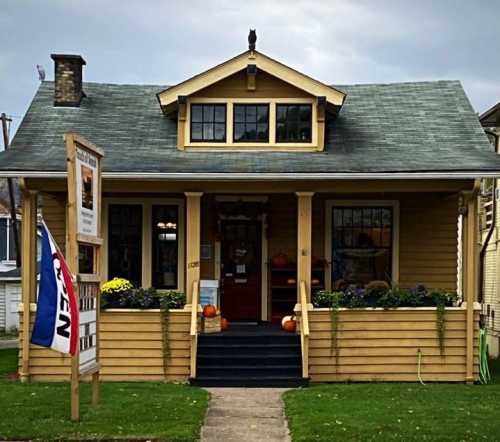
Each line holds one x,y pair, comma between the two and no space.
28,274
193,238
304,240
471,279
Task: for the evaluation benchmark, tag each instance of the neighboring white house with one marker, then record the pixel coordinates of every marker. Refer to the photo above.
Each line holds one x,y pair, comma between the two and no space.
490,236
10,276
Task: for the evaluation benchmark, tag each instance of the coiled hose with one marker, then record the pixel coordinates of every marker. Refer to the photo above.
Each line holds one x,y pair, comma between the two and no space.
484,371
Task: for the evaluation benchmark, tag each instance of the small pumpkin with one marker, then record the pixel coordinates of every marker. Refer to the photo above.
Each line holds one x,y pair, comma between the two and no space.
209,311
279,261
290,325
285,319
224,325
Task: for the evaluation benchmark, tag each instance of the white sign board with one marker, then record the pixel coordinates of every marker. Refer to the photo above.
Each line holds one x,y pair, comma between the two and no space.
209,292
88,325
86,192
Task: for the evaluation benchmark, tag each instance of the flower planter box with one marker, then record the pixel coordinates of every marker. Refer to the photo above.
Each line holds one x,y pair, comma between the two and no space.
131,349
382,345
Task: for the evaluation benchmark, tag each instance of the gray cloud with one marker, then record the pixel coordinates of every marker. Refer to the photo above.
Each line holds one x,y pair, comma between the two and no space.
336,41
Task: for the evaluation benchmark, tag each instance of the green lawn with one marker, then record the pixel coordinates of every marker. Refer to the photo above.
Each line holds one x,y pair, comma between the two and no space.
127,410
401,412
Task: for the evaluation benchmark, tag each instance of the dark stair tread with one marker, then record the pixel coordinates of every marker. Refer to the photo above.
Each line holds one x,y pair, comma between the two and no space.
222,344
246,356
250,367
250,381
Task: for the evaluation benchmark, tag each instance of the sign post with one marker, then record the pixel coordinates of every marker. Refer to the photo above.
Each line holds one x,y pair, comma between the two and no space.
84,258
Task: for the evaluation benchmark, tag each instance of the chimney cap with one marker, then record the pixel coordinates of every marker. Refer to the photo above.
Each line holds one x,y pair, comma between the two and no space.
73,57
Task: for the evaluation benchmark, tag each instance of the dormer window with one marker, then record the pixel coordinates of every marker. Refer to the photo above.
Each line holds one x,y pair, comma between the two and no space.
293,123
208,122
251,123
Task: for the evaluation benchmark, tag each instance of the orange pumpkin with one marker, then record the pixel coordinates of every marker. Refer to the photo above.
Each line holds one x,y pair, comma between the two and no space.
210,311
290,325
224,325
279,261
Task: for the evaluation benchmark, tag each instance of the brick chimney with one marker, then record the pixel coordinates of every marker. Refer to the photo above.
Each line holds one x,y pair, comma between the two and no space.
68,79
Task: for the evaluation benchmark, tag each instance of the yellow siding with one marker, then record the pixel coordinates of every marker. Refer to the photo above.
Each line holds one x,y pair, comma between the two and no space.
54,215
131,349
382,345
235,86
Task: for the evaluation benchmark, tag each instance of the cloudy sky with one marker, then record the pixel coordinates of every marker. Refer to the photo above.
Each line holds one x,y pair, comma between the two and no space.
335,41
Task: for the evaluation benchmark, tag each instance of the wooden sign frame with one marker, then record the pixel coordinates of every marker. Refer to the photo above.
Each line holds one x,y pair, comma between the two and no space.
77,145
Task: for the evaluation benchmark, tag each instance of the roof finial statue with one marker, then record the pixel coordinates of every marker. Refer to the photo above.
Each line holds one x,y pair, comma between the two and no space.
252,38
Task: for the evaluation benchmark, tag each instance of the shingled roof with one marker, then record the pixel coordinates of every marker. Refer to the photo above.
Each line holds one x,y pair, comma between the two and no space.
382,128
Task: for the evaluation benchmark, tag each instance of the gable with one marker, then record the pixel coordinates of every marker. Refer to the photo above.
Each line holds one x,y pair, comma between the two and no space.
266,86
255,61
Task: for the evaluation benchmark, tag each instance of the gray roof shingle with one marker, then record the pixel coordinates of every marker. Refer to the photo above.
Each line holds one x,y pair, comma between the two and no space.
401,127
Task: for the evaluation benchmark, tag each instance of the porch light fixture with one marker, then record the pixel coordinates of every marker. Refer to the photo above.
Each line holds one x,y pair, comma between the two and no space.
168,225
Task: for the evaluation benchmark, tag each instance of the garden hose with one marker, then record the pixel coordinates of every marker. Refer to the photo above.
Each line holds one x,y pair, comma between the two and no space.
484,371
419,363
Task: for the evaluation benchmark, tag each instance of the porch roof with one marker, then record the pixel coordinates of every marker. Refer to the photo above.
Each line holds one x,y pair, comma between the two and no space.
421,127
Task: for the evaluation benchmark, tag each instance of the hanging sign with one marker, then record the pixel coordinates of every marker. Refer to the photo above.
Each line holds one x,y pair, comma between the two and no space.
84,230
87,188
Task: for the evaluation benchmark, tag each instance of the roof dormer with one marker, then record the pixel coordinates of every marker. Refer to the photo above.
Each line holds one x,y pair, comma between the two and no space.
251,102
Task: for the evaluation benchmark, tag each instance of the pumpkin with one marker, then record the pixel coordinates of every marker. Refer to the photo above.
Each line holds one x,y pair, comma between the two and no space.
290,325
279,261
209,311
285,319
291,281
224,325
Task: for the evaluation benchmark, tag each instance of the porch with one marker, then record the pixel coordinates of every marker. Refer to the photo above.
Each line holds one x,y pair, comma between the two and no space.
406,230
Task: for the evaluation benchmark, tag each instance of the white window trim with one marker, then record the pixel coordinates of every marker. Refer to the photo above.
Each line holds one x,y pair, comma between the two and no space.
230,145
330,204
8,261
147,237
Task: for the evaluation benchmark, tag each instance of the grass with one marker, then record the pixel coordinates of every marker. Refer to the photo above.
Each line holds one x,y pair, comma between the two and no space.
127,411
8,335
396,412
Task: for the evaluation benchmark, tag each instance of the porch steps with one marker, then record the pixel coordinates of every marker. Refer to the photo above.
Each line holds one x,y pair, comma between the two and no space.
249,357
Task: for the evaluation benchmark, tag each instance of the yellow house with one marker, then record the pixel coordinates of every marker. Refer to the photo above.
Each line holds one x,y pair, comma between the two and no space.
276,186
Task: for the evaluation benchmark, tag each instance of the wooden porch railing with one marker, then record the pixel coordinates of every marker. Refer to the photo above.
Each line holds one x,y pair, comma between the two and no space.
194,327
304,329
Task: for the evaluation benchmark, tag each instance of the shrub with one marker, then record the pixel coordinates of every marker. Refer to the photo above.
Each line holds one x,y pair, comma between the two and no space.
119,293
171,299
379,294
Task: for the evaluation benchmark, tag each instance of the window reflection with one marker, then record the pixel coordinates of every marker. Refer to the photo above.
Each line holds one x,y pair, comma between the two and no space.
362,244
165,247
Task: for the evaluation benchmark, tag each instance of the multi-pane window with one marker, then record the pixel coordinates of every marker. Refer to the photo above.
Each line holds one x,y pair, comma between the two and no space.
208,122
361,244
251,122
293,123
125,242
165,246
7,243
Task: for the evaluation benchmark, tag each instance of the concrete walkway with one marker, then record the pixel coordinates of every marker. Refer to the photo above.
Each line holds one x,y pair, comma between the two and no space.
245,415
9,343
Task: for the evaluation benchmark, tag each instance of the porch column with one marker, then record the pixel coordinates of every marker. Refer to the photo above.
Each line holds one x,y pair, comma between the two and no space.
471,279
28,273
304,237
193,238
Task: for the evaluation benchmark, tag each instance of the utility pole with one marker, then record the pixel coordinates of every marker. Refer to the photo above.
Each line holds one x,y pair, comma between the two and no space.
13,215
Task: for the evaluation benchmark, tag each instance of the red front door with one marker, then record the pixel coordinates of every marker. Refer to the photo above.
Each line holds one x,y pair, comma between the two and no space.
241,269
